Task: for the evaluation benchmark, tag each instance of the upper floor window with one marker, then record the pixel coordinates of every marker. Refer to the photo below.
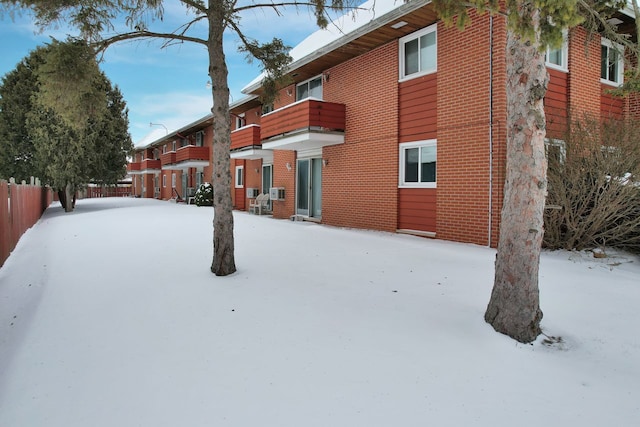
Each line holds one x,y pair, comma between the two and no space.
418,53
267,108
558,58
240,121
611,65
312,88
199,139
418,164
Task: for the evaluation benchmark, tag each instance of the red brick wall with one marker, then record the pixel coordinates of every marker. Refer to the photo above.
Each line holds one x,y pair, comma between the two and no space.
360,181
283,177
584,85
463,130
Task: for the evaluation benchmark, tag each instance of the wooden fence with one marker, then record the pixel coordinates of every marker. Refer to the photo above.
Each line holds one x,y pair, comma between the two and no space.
106,191
21,205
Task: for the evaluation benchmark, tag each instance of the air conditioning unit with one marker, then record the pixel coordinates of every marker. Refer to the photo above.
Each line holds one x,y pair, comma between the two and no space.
276,193
252,193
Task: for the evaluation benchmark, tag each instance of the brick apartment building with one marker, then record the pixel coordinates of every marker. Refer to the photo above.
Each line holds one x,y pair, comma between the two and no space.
397,123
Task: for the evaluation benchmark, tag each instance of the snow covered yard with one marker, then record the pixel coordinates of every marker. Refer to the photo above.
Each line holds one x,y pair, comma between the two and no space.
109,316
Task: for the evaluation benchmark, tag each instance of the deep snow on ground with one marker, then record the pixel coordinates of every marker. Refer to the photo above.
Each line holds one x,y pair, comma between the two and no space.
109,316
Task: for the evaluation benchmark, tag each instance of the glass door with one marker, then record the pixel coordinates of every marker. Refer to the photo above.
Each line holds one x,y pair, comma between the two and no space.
267,180
303,187
309,188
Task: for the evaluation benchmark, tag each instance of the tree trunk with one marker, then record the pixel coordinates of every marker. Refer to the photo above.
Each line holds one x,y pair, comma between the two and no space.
68,197
223,243
514,307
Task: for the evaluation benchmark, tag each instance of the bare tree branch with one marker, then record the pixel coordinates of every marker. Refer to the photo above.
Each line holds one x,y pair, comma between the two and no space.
105,43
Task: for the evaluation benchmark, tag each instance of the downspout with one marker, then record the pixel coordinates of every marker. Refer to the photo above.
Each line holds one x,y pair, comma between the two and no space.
490,128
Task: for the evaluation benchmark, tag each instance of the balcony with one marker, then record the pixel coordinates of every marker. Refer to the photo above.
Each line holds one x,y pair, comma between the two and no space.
307,124
133,168
167,159
191,157
246,144
150,166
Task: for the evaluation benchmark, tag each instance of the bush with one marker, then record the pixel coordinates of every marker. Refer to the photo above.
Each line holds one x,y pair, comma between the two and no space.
204,195
594,184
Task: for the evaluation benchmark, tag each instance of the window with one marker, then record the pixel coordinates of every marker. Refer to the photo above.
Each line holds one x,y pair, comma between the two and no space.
173,180
239,176
164,148
240,121
418,53
310,89
611,62
555,150
173,146
267,108
558,58
418,164
199,139
164,181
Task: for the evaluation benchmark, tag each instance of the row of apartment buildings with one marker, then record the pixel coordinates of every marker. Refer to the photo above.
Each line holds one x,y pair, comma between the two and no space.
396,123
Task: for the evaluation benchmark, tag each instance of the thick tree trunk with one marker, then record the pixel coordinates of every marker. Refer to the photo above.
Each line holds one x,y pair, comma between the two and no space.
69,198
514,307
223,243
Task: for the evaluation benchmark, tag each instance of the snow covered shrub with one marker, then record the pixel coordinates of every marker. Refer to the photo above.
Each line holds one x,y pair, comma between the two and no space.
204,195
594,187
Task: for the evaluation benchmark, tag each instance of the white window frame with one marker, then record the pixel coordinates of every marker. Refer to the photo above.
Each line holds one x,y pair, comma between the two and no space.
239,181
406,39
620,49
164,181
306,82
173,146
240,121
416,144
173,180
564,50
200,139
562,147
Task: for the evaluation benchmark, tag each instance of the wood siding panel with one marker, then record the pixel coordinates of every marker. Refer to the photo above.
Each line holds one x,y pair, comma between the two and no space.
417,209
302,115
556,104
417,105
245,137
611,107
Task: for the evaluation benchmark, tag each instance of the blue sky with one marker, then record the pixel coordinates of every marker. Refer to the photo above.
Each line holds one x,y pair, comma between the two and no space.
166,86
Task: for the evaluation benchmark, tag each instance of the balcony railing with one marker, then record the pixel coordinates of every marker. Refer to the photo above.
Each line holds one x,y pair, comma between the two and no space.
133,167
309,114
191,152
248,136
168,158
150,164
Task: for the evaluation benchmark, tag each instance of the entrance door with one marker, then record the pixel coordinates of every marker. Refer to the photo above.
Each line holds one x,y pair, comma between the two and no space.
309,188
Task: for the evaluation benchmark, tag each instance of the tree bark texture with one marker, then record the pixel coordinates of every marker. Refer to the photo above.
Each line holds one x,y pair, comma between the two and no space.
223,241
514,307
68,197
